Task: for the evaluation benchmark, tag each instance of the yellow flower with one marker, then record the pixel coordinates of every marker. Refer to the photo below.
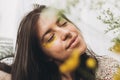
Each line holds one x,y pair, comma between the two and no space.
71,63
116,76
91,63
116,48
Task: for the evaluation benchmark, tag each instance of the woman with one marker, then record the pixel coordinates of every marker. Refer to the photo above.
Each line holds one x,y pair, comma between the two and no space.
45,40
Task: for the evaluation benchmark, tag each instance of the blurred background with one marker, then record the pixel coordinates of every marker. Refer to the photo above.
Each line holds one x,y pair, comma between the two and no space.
98,20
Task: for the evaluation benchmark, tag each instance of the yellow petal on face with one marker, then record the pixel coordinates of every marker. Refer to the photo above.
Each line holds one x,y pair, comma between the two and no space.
48,45
71,63
91,63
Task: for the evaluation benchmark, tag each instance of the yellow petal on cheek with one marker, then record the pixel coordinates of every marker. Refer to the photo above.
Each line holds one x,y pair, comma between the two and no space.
49,44
71,63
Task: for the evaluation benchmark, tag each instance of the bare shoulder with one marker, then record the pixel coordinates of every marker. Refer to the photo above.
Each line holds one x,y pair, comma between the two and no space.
4,75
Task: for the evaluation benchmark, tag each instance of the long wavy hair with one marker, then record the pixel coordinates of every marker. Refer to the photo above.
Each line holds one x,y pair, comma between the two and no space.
30,62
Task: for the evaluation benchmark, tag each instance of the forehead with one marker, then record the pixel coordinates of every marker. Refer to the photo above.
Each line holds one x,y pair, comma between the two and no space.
50,13
47,19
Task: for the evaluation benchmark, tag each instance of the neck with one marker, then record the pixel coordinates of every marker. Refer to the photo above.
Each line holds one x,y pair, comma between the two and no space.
66,76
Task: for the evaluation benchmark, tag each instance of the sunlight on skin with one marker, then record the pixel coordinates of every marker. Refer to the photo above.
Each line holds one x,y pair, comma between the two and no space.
91,63
117,75
71,63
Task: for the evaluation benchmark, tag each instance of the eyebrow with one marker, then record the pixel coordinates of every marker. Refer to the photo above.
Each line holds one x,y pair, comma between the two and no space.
58,20
49,30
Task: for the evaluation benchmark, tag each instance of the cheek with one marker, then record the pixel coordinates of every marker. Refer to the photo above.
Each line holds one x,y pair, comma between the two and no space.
83,45
53,47
50,44
57,46
56,51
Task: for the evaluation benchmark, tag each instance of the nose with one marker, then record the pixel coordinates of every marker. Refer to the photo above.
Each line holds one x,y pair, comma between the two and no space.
65,34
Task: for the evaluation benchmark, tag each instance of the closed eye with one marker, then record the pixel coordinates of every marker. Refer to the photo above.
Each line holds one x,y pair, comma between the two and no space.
64,24
51,38
61,22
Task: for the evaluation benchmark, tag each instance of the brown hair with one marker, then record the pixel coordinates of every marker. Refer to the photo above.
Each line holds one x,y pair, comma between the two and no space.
30,62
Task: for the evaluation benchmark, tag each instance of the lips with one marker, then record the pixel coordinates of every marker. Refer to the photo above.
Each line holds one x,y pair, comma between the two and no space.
73,42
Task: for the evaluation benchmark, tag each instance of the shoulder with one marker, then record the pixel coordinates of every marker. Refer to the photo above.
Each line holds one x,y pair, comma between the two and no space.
107,67
4,76
5,68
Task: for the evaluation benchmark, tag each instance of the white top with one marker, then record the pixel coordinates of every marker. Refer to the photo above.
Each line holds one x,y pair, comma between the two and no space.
108,67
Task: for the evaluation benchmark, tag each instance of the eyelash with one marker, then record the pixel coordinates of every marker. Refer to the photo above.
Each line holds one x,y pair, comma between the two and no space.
51,38
64,24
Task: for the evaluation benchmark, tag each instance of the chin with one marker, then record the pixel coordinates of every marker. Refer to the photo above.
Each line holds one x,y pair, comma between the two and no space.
83,49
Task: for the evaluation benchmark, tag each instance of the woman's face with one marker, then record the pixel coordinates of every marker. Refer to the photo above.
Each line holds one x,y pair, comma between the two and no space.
58,37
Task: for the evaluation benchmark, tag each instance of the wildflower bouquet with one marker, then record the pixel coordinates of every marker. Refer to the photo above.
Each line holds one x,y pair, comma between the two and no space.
113,23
